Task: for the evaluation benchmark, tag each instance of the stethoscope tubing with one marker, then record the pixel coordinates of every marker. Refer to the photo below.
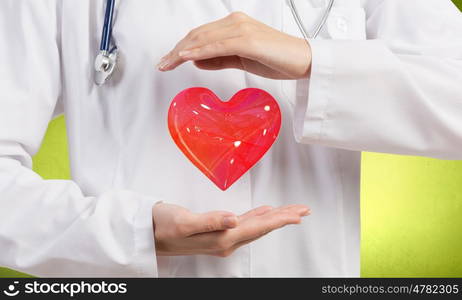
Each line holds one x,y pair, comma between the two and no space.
319,26
107,28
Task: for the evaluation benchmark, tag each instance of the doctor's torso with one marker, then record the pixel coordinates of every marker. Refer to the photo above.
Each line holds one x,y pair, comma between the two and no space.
118,136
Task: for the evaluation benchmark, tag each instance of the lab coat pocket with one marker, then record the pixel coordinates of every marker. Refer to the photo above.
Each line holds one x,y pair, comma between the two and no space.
345,21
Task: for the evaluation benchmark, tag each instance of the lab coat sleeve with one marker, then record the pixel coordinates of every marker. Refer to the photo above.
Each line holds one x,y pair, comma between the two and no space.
399,91
49,227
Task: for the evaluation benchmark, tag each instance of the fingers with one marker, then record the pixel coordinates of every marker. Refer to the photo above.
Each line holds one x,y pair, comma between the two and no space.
195,38
210,45
192,41
209,222
258,226
303,210
217,221
237,46
219,63
234,26
218,233
255,212
235,62
252,226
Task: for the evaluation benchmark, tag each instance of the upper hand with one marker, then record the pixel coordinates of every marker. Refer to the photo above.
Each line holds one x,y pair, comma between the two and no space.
241,42
178,231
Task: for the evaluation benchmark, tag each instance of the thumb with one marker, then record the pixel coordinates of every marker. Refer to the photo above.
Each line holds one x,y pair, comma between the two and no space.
212,221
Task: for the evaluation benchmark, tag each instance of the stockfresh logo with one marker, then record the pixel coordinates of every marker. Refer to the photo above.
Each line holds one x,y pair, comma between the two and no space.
11,290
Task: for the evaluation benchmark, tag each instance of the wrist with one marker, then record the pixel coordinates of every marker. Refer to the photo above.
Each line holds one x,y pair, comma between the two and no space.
307,55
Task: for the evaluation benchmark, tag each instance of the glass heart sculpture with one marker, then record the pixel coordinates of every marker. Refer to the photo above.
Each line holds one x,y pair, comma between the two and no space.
224,139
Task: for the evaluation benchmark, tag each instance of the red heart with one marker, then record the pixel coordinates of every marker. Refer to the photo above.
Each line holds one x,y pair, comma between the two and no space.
224,139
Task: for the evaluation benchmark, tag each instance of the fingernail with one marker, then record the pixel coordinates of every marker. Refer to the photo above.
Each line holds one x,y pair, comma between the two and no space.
304,212
230,222
163,65
161,61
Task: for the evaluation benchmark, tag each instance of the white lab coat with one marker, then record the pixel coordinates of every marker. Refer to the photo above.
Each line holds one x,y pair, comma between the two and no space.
387,77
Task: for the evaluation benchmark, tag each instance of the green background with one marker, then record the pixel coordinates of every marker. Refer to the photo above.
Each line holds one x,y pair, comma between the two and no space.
411,209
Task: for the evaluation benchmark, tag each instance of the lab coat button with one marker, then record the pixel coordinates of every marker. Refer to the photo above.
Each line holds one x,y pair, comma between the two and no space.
342,24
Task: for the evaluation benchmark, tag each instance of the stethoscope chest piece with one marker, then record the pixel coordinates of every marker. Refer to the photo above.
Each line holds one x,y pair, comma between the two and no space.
105,65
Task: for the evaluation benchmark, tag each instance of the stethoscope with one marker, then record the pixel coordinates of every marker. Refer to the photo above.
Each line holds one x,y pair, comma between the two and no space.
106,60
320,24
